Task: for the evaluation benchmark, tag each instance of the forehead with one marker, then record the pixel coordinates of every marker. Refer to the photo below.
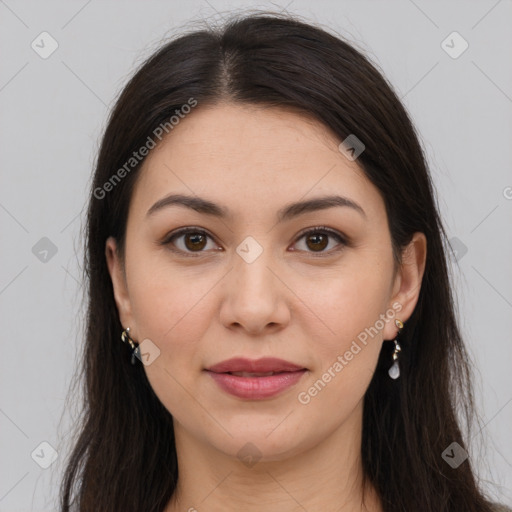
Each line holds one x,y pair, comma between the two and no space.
253,157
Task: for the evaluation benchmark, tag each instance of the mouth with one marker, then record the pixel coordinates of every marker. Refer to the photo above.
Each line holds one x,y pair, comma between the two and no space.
255,367
256,379
249,374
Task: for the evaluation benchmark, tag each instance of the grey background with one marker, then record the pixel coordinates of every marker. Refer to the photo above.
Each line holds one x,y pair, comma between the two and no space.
52,114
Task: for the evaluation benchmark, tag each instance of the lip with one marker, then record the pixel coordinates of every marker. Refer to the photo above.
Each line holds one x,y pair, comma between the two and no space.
256,387
263,365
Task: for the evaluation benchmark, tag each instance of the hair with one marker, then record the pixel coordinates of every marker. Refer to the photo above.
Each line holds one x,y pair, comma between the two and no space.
124,455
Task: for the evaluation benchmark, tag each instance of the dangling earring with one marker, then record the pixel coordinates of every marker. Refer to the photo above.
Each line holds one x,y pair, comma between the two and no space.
394,371
125,337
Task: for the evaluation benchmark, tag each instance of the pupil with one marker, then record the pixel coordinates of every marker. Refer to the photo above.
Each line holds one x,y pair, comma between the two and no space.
196,241
317,240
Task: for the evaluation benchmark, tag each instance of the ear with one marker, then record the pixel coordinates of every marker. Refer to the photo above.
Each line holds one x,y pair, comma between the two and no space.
407,284
118,277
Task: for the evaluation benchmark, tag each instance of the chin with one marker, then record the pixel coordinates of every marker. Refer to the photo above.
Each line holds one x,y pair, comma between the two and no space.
262,444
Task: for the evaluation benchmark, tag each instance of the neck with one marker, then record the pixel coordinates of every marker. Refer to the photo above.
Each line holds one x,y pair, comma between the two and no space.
328,476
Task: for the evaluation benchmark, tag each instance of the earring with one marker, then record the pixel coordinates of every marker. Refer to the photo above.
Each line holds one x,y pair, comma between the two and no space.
125,337
394,371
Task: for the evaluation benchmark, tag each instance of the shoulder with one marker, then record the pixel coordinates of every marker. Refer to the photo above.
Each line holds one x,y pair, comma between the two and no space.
497,507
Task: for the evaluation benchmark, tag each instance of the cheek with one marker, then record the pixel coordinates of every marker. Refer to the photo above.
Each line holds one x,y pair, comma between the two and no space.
346,306
168,302
170,309
346,354
346,337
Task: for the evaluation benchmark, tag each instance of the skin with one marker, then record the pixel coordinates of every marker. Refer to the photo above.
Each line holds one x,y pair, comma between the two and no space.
200,308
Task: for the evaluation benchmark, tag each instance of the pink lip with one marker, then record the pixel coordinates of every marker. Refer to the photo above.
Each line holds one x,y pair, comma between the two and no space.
256,388
263,365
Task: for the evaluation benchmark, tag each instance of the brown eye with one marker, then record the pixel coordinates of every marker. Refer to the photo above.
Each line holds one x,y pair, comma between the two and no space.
188,241
195,241
318,239
317,242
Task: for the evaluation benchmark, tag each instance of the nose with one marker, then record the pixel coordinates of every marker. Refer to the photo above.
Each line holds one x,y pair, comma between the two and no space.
255,297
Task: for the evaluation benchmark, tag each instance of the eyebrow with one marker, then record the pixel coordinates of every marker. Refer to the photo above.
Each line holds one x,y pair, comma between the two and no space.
291,210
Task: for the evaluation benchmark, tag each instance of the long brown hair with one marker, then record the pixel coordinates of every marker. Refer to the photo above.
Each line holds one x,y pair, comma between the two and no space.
124,456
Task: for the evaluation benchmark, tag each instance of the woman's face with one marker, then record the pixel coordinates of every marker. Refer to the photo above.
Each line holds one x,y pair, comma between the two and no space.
253,283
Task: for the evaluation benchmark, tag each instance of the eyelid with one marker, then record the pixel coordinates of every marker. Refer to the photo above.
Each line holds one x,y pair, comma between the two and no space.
322,229
183,231
343,241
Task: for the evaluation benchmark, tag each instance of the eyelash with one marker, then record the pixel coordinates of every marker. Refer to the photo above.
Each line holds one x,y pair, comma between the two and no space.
320,229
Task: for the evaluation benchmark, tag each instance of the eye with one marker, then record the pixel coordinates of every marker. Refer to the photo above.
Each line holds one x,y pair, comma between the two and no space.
189,240
317,239
195,240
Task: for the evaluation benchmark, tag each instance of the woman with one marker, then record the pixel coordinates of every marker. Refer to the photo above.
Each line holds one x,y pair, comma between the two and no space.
270,324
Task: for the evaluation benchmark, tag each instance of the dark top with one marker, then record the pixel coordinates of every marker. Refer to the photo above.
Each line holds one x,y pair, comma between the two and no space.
497,507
